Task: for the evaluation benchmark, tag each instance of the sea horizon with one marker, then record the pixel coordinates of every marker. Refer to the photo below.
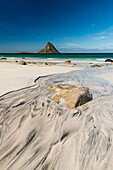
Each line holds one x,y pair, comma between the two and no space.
61,56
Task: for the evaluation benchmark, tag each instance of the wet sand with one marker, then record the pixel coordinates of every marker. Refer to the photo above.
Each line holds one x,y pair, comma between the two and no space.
38,133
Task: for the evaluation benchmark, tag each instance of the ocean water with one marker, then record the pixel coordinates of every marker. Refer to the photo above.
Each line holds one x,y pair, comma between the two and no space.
79,58
62,55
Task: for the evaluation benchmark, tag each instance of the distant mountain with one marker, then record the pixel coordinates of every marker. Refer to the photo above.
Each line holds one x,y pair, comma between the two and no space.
25,53
49,48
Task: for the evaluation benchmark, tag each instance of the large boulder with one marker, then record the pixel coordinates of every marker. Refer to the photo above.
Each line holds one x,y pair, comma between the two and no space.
72,95
22,62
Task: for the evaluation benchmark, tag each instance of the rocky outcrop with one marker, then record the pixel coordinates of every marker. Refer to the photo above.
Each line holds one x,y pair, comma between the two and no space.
49,48
72,95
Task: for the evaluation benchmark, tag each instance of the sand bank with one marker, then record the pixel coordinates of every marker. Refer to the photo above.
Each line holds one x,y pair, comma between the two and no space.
14,76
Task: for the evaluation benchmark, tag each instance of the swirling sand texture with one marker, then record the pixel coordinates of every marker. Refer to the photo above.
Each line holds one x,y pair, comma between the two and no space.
38,133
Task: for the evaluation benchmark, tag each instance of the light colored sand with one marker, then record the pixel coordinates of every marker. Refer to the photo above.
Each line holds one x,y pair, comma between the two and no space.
37,133
14,76
107,76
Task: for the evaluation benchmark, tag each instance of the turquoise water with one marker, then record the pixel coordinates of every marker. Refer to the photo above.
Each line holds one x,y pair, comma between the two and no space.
62,56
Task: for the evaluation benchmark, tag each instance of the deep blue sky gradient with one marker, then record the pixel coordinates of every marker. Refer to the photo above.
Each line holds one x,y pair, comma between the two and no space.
71,25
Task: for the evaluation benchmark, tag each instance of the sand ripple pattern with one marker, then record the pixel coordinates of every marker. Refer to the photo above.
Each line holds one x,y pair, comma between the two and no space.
38,133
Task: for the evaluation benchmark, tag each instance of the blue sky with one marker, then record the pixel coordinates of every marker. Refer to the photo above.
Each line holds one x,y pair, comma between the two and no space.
71,25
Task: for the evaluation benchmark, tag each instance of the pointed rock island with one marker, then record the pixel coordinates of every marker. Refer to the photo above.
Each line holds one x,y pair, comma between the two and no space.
49,48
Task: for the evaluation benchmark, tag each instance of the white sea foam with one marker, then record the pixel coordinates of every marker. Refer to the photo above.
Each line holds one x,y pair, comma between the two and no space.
102,59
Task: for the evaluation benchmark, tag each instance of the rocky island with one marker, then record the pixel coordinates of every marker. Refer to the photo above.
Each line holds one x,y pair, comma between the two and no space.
49,48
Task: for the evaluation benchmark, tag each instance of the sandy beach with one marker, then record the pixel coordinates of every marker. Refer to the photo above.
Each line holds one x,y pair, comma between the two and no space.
39,133
14,76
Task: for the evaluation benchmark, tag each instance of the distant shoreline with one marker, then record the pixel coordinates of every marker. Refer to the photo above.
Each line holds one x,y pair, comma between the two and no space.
26,53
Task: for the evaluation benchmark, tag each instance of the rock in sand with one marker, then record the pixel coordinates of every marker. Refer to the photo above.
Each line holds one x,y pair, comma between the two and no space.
72,95
14,61
30,62
21,62
108,60
45,64
96,65
67,62
3,58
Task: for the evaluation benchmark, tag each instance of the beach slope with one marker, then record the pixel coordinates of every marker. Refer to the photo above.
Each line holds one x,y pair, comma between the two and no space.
39,133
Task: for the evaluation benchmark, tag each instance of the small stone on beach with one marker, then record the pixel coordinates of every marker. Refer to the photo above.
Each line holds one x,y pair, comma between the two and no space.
14,61
96,65
21,62
3,58
108,60
67,62
30,62
45,64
